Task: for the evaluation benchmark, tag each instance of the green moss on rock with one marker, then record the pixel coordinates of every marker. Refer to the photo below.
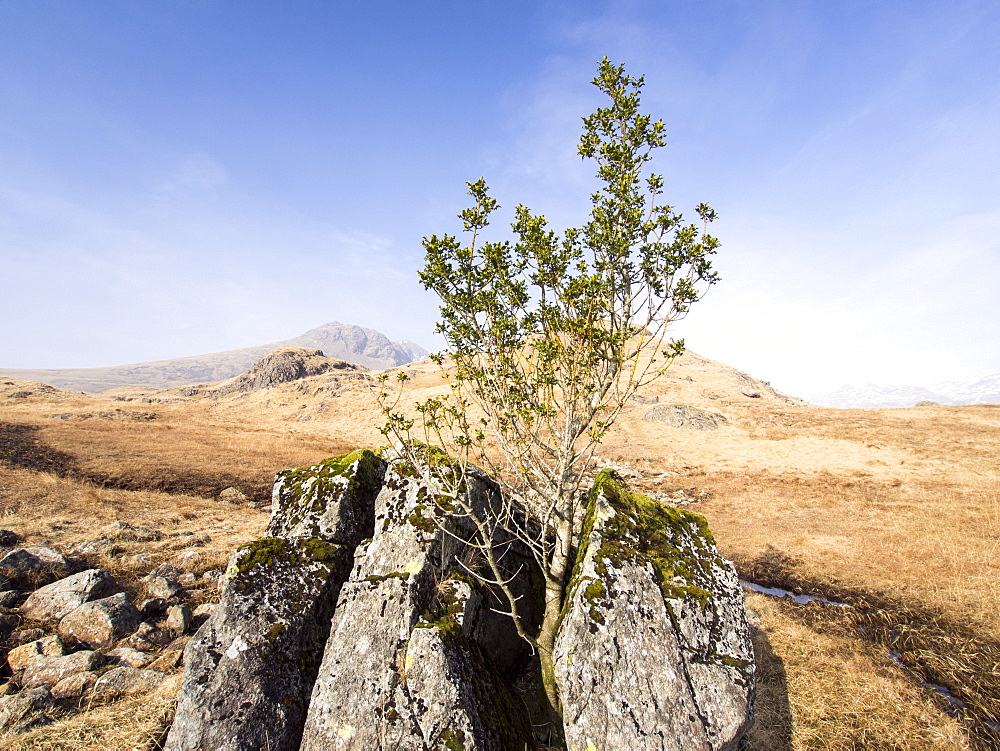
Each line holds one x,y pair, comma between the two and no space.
632,528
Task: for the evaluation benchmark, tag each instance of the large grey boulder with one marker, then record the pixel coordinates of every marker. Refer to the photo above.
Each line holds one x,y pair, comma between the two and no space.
323,501
249,670
654,649
393,675
100,623
60,598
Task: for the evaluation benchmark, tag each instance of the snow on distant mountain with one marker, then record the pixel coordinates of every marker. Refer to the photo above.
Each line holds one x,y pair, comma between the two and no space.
985,390
871,395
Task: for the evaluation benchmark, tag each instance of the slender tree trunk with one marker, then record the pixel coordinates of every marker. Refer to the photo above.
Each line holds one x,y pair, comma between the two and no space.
555,593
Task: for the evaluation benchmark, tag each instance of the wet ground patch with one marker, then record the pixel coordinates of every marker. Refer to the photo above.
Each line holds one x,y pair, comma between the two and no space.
958,665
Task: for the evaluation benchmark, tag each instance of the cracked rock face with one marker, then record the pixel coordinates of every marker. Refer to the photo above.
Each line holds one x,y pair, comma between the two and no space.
654,649
391,677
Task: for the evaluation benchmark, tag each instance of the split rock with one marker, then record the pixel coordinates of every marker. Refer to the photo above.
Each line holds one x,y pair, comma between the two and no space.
250,668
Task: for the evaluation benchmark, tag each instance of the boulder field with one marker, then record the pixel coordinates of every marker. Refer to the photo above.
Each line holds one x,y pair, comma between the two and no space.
355,624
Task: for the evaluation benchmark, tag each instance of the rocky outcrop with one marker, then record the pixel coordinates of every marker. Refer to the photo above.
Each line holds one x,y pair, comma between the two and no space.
683,416
251,667
356,625
281,366
654,648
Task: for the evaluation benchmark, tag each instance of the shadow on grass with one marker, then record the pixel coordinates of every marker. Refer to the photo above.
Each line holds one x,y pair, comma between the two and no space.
772,727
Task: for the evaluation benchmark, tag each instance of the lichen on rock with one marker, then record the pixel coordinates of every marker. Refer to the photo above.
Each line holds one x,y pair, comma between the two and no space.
330,500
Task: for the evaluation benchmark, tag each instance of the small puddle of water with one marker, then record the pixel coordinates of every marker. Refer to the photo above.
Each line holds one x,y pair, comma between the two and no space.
779,592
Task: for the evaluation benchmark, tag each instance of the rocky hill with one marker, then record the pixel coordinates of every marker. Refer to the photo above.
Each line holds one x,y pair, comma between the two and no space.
355,344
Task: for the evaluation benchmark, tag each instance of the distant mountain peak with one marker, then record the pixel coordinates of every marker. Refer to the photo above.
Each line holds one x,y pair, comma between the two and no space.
343,341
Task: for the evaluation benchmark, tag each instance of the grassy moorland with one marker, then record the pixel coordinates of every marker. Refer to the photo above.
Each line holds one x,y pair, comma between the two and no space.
894,512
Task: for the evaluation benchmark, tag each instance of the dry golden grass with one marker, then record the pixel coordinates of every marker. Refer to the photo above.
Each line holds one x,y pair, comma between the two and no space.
134,722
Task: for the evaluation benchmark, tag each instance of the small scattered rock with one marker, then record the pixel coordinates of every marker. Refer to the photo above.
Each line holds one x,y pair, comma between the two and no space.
60,598
26,635
148,637
169,660
9,539
232,495
124,531
205,608
751,393
129,657
100,623
137,561
178,619
125,681
48,671
74,686
47,646
166,570
640,399
153,609
161,587
187,580
9,598
100,545
213,576
17,709
34,566
190,559
193,540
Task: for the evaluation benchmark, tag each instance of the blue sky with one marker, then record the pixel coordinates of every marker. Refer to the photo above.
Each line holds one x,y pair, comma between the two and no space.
185,177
